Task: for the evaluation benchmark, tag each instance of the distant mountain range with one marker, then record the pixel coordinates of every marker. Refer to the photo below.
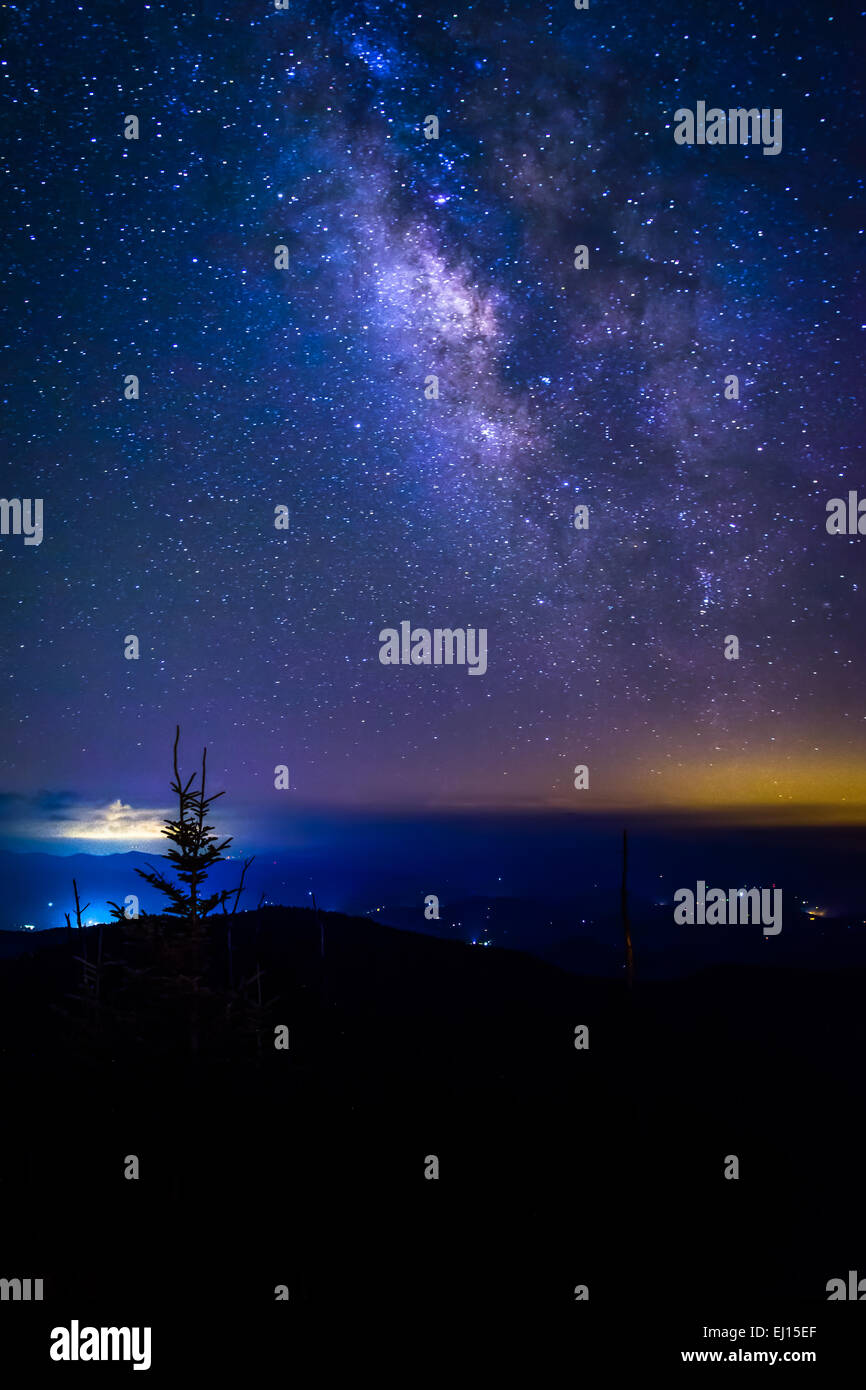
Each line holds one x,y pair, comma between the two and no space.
582,934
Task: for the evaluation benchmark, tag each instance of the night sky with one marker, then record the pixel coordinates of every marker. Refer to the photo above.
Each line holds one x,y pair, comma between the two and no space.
305,388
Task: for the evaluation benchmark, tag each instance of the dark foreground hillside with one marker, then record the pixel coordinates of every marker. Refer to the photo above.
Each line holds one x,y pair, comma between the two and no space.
558,1167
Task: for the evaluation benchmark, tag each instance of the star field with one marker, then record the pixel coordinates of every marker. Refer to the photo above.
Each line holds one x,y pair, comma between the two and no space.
455,258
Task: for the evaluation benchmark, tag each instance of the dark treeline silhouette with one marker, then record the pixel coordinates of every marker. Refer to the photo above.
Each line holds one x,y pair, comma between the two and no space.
304,1165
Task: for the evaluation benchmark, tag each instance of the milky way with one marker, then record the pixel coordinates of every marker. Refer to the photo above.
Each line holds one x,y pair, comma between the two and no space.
305,388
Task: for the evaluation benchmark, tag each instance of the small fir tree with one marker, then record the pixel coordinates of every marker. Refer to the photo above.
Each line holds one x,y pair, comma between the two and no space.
194,852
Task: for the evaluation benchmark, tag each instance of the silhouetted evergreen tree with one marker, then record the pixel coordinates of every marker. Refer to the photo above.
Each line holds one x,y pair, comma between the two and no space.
166,993
195,850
